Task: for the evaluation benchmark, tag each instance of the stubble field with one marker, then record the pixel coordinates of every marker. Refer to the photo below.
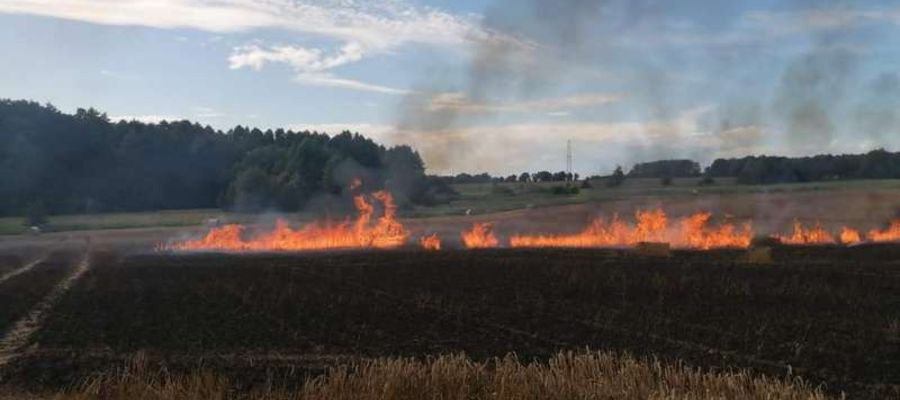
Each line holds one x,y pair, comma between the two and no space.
830,316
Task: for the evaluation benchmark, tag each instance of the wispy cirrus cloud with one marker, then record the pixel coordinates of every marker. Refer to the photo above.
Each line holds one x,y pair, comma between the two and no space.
381,23
554,106
819,19
311,65
364,28
147,119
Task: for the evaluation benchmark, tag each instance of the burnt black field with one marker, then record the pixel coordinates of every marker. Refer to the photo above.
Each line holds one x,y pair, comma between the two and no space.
826,314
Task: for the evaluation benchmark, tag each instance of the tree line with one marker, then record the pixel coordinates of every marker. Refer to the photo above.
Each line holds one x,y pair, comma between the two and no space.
484,177
83,162
876,164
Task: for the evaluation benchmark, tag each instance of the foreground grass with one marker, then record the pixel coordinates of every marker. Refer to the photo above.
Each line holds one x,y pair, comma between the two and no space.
568,375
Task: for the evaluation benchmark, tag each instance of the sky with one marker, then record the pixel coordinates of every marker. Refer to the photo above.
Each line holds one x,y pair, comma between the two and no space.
497,86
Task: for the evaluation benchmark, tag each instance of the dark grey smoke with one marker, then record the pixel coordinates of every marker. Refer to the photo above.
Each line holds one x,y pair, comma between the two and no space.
816,101
813,93
877,116
554,39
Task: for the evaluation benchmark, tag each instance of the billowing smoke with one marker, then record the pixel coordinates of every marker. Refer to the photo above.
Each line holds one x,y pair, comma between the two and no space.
813,93
530,47
877,115
795,81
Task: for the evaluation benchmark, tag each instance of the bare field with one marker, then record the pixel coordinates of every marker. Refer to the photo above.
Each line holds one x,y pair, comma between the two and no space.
826,315
861,202
854,204
823,314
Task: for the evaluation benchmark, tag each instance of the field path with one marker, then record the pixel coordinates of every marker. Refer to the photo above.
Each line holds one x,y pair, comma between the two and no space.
13,343
23,269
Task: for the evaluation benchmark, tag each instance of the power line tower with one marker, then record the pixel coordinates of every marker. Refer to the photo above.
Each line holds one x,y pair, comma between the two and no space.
569,175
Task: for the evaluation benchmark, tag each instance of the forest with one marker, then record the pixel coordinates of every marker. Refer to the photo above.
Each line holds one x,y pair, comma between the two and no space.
876,164
58,163
85,163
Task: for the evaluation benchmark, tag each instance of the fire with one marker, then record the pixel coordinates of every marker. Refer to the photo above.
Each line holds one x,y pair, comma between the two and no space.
890,234
431,242
850,236
369,231
651,226
480,236
385,232
696,234
806,236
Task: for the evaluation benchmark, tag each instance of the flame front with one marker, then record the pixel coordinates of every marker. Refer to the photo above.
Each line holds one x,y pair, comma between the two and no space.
481,236
807,236
431,242
697,234
890,234
651,226
386,232
850,236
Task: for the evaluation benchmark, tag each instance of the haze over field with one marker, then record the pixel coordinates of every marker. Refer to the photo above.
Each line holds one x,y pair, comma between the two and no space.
481,85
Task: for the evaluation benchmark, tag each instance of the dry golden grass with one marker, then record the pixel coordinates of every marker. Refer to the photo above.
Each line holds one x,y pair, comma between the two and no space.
566,376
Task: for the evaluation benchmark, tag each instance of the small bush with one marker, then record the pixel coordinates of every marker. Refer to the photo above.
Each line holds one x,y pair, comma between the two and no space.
617,178
565,190
560,190
706,181
586,184
502,190
667,181
35,214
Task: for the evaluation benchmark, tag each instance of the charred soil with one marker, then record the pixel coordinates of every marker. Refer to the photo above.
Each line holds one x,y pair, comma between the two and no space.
826,314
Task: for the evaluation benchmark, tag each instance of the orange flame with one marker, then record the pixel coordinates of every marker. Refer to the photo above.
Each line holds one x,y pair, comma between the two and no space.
385,232
696,234
807,236
651,226
431,242
850,236
890,234
481,236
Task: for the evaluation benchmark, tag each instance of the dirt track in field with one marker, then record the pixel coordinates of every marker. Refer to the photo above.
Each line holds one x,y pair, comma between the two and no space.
14,341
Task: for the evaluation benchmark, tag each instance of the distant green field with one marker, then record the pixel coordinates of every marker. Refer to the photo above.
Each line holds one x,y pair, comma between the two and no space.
15,225
474,198
489,198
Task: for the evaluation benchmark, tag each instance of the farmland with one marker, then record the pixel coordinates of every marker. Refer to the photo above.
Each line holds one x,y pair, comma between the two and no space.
488,199
107,306
826,314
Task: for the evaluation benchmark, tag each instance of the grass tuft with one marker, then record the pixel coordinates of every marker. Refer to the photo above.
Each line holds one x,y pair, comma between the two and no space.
568,375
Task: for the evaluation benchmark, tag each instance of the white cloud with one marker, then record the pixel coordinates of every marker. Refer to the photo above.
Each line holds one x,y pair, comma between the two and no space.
364,27
117,74
207,112
310,64
371,22
555,106
328,80
147,119
380,133
820,19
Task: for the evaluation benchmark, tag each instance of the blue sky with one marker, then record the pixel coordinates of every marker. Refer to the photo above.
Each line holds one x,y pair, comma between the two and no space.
481,85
